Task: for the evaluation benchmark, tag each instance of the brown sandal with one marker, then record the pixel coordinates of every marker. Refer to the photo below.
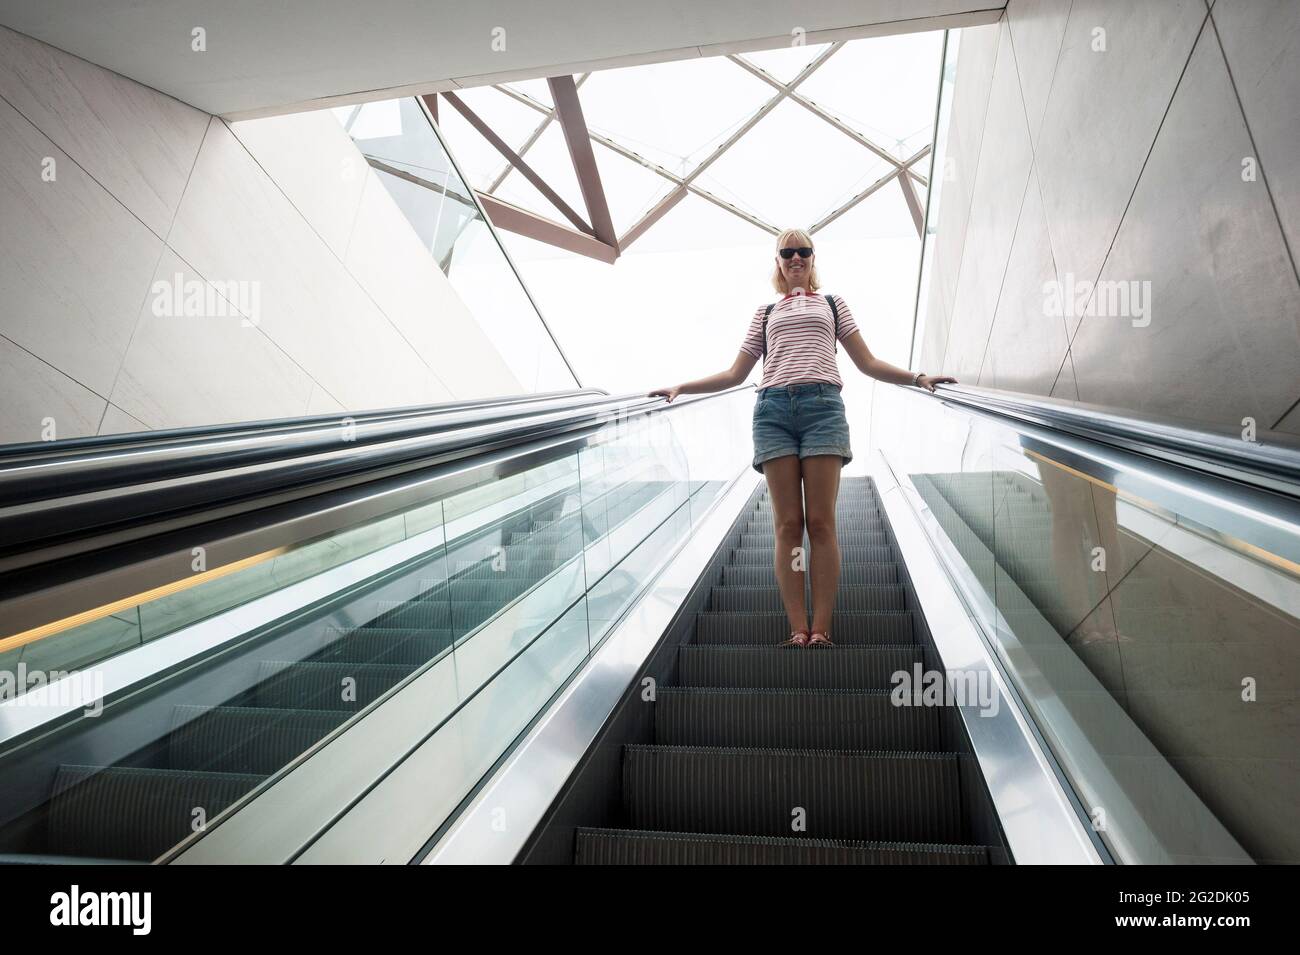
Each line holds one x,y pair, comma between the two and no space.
819,639
798,638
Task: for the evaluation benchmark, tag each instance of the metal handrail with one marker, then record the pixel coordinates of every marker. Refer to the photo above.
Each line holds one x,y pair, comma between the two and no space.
56,503
40,470
68,552
66,446
1271,464
1246,499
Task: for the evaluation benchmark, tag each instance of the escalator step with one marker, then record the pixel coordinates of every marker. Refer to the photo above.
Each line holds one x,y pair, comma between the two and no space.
387,645
849,553
640,847
763,520
485,569
429,614
546,538
793,719
854,516
854,519
844,794
468,614
824,668
570,520
326,686
245,739
770,629
459,615
498,589
129,813
556,554
844,520
846,494
845,538
866,508
854,599
851,575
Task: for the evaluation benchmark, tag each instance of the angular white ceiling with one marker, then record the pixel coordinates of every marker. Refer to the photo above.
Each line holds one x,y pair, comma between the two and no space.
263,58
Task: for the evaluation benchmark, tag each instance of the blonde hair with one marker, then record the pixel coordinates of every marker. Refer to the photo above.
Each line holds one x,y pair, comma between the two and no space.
778,279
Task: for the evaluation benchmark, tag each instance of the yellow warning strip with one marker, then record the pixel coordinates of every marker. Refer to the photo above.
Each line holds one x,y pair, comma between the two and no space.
1265,556
1079,474
98,613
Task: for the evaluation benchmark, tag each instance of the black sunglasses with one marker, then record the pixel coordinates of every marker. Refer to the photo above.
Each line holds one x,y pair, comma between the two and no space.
804,252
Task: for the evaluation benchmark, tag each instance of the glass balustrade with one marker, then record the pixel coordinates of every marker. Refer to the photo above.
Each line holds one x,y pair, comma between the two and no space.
487,599
1152,633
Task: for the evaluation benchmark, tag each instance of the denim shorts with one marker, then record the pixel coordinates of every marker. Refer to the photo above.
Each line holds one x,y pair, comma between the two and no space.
803,419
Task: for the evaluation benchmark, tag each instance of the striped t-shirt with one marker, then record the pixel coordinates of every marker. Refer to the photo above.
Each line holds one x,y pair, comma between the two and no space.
800,339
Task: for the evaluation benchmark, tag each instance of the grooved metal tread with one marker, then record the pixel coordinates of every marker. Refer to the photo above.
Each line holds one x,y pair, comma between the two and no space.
792,752
790,718
769,628
647,847
852,794
127,812
764,754
837,667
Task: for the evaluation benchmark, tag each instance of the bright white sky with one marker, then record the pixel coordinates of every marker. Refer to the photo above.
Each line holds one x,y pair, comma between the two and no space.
676,304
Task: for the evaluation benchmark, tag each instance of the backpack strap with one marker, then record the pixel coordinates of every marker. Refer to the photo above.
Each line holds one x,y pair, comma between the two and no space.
765,314
835,315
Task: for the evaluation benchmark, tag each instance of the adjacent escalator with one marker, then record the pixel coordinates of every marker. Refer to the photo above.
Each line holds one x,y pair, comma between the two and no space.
196,759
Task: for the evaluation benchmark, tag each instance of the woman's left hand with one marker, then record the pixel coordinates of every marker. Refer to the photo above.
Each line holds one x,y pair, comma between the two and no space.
929,381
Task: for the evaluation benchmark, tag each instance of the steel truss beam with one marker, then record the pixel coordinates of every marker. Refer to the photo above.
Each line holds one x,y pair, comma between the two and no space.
598,239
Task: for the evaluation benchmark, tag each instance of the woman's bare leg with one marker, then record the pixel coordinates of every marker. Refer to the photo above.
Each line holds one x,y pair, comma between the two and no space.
821,487
783,476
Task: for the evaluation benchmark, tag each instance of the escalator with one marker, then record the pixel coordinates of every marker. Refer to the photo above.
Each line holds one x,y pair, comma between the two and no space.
308,682
446,571
377,639
764,754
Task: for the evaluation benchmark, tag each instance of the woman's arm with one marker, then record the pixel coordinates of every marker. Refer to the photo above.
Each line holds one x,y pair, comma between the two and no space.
723,380
872,366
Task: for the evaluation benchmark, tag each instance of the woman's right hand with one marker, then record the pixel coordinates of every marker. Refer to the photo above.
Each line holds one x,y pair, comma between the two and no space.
669,393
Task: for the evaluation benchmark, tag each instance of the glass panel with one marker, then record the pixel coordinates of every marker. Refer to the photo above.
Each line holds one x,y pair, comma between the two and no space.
631,189
634,479
937,172
640,107
348,621
615,593
1158,655
787,62
476,736
67,645
713,436
410,160
781,143
491,597
880,86
549,156
512,576
539,90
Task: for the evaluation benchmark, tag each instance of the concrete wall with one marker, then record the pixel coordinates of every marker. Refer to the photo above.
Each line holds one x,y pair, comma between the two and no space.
351,312
1071,164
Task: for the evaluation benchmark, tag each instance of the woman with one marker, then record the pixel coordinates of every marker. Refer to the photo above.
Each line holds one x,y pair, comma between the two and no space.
801,436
